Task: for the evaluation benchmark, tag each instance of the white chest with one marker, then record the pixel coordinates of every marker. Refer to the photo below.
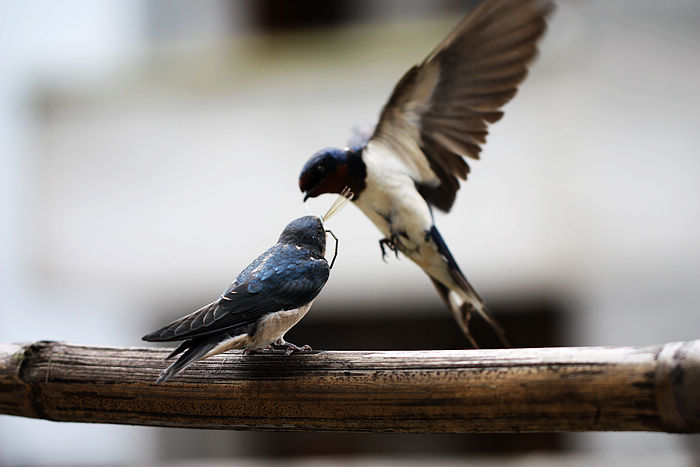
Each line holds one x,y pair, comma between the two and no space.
391,200
275,325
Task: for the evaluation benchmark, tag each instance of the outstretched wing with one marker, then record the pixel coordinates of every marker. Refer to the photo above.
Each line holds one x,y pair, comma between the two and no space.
283,278
439,110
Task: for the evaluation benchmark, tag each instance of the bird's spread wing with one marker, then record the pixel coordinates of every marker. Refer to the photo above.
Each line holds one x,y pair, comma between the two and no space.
439,110
282,278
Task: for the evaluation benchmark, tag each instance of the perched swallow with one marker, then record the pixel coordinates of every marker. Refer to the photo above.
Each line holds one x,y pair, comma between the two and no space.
267,298
437,114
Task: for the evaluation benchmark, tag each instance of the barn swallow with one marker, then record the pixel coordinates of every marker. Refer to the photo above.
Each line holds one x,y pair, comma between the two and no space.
437,114
267,298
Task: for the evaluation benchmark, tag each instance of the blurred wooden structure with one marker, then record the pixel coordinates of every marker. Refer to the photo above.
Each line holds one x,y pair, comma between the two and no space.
655,388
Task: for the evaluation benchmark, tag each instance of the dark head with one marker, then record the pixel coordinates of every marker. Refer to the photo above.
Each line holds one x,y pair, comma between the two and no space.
306,232
326,172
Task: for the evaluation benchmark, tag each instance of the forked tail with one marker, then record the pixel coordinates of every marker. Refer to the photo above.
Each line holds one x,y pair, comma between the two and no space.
194,349
462,300
462,308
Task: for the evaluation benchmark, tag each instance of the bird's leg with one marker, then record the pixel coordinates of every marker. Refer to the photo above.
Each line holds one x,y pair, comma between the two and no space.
392,243
290,348
383,243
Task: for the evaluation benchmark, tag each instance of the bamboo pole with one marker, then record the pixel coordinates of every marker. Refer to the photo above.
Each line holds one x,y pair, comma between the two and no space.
654,388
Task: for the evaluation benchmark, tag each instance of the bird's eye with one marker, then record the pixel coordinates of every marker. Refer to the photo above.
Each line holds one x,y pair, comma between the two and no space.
319,169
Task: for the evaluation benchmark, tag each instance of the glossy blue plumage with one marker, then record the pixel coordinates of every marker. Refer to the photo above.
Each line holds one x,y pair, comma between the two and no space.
288,275
288,272
264,301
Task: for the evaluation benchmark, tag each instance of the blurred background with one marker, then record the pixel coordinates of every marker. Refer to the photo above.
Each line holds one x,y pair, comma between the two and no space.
150,149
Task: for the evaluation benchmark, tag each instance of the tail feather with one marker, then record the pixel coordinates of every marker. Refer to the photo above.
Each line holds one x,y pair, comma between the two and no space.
193,349
462,308
462,299
462,316
486,314
180,348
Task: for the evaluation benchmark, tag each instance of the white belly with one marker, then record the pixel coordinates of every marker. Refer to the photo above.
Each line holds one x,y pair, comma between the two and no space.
392,202
273,326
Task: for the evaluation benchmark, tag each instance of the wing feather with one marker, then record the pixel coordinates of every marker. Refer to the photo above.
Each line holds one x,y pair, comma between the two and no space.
439,111
253,294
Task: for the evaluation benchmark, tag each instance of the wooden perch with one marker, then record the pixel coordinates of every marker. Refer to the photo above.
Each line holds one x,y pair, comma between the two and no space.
510,390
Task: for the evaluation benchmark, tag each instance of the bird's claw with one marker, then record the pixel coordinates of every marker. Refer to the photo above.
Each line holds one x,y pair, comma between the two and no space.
280,344
392,243
290,348
248,351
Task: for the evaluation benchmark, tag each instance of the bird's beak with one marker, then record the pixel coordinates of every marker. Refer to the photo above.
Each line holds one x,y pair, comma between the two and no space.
305,185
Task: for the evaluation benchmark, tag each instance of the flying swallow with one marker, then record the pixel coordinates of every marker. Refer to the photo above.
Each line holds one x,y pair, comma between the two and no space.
436,116
267,298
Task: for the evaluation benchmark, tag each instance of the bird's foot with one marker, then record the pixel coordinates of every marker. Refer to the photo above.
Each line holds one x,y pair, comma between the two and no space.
249,351
293,348
392,243
290,348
